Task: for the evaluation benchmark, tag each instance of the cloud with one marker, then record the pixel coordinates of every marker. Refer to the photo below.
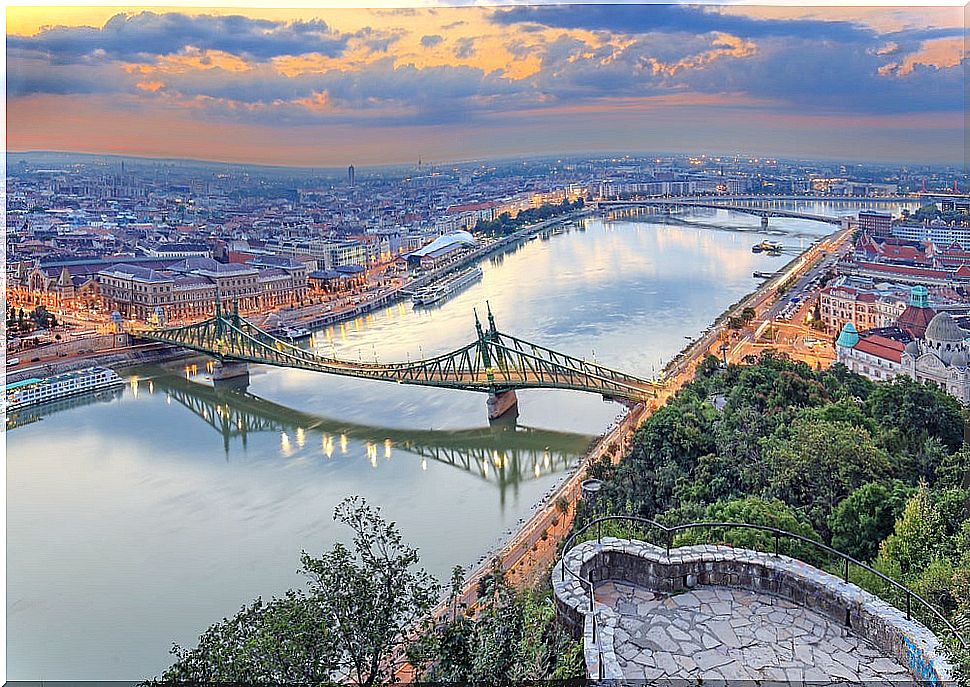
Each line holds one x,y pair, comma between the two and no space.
144,36
580,57
464,48
692,19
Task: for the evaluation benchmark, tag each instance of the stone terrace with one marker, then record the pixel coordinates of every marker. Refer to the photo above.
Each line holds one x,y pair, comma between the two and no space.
719,634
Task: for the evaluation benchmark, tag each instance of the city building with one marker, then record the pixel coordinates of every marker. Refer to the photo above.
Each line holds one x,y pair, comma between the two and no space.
443,249
872,354
875,223
863,303
938,357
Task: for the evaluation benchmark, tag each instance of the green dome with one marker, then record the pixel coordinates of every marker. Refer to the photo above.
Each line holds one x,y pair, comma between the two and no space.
848,337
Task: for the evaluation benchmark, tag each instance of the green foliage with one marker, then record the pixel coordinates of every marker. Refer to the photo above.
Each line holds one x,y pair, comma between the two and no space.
917,538
281,641
754,511
866,517
512,638
506,224
814,464
910,411
360,604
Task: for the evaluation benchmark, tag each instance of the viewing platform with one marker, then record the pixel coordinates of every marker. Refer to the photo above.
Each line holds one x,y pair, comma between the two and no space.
707,612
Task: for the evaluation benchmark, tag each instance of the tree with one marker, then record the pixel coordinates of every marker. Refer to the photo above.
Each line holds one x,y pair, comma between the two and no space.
818,463
754,511
954,470
361,604
748,314
287,640
911,411
513,638
866,517
917,539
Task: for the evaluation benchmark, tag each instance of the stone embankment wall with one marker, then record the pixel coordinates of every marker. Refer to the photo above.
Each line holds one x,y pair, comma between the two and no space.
653,568
119,359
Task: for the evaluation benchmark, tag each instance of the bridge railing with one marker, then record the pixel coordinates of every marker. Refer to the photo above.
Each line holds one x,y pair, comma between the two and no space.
669,533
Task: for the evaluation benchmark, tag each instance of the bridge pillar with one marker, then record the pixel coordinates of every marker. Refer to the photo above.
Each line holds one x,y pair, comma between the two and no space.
501,403
231,375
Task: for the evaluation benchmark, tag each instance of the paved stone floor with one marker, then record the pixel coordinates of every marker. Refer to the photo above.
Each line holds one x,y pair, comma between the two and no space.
718,633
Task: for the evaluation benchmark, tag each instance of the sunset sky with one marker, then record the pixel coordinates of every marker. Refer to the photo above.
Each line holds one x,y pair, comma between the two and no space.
334,86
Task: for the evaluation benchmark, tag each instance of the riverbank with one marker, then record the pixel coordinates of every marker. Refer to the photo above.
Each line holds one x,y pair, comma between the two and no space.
406,290
129,356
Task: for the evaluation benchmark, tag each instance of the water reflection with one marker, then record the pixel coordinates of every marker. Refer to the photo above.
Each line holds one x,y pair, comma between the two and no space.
503,453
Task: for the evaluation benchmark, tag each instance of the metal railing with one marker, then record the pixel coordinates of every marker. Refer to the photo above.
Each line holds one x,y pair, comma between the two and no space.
670,532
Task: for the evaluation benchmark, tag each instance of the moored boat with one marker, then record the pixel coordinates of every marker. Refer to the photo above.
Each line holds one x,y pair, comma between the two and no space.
438,292
35,390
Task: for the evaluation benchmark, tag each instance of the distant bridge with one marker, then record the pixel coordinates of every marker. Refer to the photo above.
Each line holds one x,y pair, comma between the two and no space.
754,198
495,363
758,211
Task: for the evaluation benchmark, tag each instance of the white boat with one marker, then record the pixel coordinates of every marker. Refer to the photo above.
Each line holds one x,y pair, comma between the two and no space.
438,292
296,333
42,390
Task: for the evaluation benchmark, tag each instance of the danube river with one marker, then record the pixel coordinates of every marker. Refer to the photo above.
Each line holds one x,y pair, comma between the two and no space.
137,520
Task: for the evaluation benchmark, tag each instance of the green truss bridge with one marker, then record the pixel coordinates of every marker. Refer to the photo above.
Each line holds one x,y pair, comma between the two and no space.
494,363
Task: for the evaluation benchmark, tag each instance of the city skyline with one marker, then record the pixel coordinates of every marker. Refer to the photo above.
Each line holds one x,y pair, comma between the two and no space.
329,87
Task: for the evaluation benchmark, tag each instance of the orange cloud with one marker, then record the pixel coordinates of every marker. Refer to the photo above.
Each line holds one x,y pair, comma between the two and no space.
318,102
150,86
723,45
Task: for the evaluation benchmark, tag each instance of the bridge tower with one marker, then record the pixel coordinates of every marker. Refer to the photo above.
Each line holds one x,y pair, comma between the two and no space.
501,402
229,374
764,221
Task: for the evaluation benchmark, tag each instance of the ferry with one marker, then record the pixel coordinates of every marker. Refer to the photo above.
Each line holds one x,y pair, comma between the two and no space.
767,246
438,292
293,334
36,390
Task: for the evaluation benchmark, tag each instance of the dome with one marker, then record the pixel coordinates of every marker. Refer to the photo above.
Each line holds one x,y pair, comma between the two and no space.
912,348
959,359
848,337
943,328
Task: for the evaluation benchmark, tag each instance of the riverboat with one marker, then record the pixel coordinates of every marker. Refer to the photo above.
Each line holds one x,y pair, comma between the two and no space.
293,334
438,292
36,390
767,247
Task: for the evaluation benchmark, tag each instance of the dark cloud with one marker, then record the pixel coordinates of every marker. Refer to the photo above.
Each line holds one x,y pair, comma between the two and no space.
431,41
631,19
464,48
143,37
377,40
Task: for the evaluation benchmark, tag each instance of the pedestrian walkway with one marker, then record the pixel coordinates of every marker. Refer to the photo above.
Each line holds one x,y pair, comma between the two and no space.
722,634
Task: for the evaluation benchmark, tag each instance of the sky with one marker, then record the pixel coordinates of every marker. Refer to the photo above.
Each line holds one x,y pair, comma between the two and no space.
330,87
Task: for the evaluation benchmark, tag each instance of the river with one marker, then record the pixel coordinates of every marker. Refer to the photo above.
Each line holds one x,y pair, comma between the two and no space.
137,519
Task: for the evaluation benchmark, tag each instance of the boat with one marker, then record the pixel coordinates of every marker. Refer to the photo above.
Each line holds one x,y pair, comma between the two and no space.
36,390
767,247
296,333
438,292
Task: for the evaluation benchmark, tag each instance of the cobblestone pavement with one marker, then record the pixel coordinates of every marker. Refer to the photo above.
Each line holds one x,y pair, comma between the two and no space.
718,633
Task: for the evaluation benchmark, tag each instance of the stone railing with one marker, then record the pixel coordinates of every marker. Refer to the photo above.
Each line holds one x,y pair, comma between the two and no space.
684,568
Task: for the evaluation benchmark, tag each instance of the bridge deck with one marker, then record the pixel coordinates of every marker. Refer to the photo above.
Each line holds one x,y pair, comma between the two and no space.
494,362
